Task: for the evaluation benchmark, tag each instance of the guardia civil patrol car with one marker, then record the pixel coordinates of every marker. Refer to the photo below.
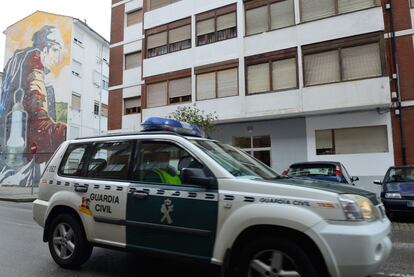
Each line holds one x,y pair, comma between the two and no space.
167,190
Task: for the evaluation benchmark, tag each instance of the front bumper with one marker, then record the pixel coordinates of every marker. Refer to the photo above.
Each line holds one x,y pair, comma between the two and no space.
353,249
398,205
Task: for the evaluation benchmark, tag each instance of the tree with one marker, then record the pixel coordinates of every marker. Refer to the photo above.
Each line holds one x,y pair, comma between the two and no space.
193,115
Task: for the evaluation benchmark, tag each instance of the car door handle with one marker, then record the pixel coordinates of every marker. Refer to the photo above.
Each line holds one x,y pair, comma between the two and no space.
140,194
81,188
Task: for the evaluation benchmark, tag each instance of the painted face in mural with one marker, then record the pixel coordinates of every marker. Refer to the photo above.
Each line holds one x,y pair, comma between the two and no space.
52,51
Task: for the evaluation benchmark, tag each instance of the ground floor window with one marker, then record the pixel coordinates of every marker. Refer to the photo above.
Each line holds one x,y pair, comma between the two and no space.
358,140
257,146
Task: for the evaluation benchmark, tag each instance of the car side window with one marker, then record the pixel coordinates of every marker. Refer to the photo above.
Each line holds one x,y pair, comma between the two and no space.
110,160
162,163
346,174
73,160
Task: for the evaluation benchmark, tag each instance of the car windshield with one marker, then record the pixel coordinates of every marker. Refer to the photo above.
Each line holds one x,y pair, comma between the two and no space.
235,161
399,175
311,169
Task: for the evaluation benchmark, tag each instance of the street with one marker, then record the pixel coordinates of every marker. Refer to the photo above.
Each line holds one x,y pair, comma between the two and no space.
22,253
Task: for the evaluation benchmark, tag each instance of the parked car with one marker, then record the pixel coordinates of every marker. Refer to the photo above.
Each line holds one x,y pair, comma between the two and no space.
398,190
327,171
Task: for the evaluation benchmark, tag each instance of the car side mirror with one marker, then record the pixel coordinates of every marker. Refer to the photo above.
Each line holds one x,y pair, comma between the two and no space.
354,178
196,176
377,182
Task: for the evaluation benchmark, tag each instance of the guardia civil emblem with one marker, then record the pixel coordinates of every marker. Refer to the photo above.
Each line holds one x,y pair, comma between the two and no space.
166,210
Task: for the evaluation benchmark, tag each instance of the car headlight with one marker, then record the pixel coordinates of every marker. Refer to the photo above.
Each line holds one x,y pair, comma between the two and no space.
358,208
393,195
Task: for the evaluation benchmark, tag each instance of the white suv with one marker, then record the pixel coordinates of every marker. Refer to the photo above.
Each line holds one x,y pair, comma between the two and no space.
159,191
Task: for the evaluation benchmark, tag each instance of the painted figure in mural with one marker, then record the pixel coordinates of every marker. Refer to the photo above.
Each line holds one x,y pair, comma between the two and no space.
27,108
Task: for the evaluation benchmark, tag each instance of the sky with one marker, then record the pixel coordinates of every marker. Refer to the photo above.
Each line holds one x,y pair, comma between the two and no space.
96,12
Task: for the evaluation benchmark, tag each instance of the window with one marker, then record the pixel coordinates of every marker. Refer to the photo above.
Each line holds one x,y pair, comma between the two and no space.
169,92
104,110
317,9
155,4
273,15
216,25
221,83
76,101
76,68
412,3
78,38
272,72
110,160
132,105
342,62
352,140
133,60
73,160
96,108
96,78
257,146
169,38
162,162
134,17
105,82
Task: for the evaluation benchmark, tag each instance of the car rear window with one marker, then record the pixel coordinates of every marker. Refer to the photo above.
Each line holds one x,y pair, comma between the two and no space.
312,169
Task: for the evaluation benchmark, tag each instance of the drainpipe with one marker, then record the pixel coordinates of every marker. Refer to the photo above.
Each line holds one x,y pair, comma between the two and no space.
395,70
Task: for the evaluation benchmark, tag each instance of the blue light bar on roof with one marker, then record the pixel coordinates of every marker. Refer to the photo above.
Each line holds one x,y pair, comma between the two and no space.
167,124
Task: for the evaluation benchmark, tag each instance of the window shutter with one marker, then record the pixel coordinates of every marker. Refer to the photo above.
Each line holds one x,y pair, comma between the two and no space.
353,5
258,79
256,20
133,60
322,68
205,27
323,139
155,4
315,9
179,87
134,17
76,102
132,102
226,21
361,140
206,86
180,34
361,61
284,74
157,95
282,14
227,82
157,40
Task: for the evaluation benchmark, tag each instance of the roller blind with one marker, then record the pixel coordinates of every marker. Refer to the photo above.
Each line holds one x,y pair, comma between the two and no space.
227,82
361,140
134,17
226,21
322,68
205,27
76,102
157,95
284,74
282,14
258,79
155,4
315,9
133,60
361,61
180,34
206,86
256,20
180,87
132,102
157,40
323,139
353,5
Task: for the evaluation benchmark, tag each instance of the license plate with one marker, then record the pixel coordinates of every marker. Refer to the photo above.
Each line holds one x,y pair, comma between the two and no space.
410,204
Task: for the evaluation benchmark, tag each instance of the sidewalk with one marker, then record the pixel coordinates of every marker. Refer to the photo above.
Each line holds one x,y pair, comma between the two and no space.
17,194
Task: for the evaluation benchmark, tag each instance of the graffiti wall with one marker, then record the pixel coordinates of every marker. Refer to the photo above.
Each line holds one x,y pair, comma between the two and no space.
34,95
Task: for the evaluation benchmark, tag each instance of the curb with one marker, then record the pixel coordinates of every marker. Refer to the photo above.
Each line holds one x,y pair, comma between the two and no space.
18,200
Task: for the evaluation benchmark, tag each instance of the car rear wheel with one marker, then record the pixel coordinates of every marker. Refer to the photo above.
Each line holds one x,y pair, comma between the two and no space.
67,242
271,257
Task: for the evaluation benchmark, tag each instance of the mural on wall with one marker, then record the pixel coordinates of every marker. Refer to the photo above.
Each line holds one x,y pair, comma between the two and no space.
33,112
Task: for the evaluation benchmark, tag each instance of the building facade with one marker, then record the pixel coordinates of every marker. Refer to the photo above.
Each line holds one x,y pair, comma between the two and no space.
54,88
290,80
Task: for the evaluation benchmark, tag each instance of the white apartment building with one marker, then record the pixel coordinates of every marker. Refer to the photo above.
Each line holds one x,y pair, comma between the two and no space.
290,80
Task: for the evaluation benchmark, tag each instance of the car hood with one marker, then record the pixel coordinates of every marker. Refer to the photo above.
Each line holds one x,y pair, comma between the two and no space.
326,186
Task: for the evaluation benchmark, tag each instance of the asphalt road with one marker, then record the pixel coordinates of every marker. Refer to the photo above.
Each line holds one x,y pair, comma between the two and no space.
22,253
